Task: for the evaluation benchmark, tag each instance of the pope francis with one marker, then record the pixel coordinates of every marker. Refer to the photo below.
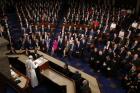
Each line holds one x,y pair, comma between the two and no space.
30,71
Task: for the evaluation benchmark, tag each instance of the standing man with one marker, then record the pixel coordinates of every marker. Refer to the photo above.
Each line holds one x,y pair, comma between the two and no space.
30,71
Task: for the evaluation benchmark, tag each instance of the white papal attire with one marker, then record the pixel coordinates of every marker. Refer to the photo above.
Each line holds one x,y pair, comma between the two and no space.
30,72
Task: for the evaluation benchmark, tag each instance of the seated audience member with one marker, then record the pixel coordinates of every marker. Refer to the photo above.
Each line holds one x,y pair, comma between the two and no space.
66,70
78,49
35,54
76,75
85,87
78,80
135,45
60,47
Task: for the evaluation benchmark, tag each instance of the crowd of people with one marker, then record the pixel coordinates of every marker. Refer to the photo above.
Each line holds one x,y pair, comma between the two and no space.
132,81
39,12
107,39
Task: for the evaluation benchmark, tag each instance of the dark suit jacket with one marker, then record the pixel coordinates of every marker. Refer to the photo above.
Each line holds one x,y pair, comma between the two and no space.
77,49
35,55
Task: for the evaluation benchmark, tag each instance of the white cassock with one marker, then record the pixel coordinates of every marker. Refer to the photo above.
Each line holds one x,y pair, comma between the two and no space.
30,72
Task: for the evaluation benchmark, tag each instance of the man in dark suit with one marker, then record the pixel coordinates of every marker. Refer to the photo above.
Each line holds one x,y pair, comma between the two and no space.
83,45
98,61
78,80
109,66
85,87
90,41
76,76
42,44
35,29
93,58
42,29
35,54
135,45
78,49
28,44
66,70
49,28
60,47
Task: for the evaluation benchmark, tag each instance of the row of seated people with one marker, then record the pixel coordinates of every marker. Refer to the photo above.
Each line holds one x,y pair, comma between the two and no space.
110,60
74,43
31,13
117,56
96,16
